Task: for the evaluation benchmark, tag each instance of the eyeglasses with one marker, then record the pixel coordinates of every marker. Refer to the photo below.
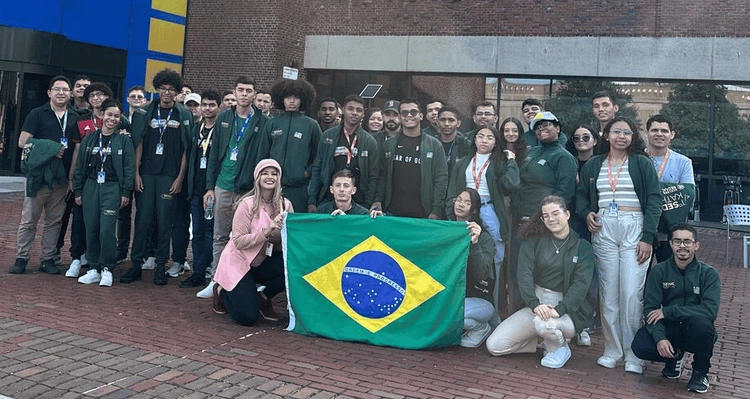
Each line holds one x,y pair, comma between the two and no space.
411,112
679,243
543,125
547,216
619,132
485,114
462,202
97,94
136,97
60,90
578,139
168,89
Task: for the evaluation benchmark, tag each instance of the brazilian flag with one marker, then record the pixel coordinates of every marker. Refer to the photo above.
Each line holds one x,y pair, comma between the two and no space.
387,281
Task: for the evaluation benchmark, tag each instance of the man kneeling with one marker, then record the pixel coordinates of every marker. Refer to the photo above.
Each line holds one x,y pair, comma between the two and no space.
680,304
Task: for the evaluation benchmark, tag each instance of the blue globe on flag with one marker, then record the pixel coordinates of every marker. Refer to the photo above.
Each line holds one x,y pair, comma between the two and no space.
373,284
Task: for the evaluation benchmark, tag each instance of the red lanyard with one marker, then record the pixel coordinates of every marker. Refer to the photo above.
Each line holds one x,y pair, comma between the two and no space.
350,150
663,164
478,177
613,180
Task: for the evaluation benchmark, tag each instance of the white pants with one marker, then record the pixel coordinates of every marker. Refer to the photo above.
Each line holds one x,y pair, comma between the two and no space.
520,332
621,281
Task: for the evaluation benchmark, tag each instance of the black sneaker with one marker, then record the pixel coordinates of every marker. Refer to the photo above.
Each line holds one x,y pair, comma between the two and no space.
160,275
134,273
698,382
48,266
673,368
19,267
194,280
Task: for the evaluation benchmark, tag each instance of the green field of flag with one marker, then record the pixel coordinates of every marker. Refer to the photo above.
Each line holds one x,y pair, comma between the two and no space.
388,281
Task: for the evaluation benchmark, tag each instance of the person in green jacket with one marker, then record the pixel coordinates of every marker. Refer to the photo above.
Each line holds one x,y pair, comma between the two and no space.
413,174
680,305
161,137
555,267
620,198
343,188
102,185
493,172
293,138
346,146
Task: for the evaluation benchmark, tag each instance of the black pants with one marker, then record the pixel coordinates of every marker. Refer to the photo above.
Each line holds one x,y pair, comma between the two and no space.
242,301
297,196
77,228
695,335
124,225
663,251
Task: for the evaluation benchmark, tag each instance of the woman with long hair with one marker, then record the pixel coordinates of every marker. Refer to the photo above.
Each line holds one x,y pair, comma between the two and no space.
480,276
253,254
512,138
554,273
493,173
619,197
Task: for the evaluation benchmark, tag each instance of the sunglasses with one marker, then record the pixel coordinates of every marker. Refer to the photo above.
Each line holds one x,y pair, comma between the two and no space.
412,112
578,139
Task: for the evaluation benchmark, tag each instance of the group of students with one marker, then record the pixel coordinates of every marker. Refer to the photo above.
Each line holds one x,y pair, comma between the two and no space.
510,186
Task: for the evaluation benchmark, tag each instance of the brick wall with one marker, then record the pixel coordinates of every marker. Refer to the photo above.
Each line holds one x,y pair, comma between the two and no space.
257,39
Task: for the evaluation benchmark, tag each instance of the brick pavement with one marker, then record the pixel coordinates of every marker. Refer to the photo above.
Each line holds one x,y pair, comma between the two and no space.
61,339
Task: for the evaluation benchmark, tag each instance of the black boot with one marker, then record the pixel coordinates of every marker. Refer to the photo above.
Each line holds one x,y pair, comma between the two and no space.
19,267
48,266
134,273
195,280
160,275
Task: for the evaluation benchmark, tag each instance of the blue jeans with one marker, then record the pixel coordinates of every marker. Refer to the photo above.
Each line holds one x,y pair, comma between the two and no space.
492,224
203,232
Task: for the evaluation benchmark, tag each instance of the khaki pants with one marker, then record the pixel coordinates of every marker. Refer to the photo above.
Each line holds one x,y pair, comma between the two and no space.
52,202
520,332
223,216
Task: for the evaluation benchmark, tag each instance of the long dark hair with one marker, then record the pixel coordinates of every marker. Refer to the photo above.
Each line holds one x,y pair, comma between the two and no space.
536,227
476,203
520,145
637,146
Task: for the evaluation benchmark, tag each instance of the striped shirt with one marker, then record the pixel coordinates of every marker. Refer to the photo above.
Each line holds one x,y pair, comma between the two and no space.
624,195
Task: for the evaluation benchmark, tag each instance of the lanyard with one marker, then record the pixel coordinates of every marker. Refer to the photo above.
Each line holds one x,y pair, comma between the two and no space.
241,132
478,177
64,122
350,150
663,164
613,180
205,140
102,152
93,120
162,129
450,150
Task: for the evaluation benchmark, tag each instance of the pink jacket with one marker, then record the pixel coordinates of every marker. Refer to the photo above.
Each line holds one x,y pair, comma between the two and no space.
247,241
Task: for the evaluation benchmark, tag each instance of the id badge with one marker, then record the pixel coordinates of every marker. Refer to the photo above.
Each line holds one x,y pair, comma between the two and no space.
100,176
612,209
160,149
64,142
269,249
95,151
203,163
233,154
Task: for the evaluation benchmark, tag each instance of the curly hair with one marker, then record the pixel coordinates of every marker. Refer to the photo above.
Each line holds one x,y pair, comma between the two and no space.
98,86
167,77
300,88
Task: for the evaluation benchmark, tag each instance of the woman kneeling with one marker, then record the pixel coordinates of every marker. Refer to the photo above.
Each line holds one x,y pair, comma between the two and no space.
555,268
253,254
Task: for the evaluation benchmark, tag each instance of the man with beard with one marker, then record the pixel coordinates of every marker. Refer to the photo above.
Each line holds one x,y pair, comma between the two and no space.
328,112
391,122
485,115
680,303
455,144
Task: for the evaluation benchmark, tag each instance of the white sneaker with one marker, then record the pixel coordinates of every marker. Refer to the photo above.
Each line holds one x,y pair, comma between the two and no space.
606,361
474,337
84,262
634,367
91,277
583,338
150,264
175,270
186,267
207,292
74,270
106,278
557,358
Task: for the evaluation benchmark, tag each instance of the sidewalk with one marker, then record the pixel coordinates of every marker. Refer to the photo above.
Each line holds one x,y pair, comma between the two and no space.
61,339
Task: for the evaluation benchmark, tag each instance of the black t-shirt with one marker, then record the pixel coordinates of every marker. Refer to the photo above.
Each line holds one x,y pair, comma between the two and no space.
341,162
407,178
95,160
43,123
200,173
168,163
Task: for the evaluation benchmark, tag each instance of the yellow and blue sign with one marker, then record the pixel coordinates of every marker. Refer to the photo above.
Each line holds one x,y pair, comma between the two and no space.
386,281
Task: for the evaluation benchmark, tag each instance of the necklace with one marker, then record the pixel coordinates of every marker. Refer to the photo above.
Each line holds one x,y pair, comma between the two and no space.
557,249
266,201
